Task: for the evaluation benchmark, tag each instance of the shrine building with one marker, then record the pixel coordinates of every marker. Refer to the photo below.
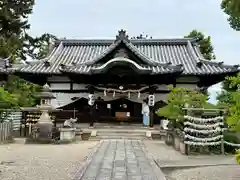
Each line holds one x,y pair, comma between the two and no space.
120,73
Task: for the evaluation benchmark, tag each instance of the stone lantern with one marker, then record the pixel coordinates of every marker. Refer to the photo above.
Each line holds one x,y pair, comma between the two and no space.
45,124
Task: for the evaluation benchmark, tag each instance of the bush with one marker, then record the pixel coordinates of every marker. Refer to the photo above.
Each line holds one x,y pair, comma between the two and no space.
238,156
232,138
177,99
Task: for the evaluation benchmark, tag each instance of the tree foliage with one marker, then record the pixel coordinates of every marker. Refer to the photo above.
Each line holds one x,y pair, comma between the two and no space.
13,25
233,118
16,43
205,44
14,14
38,47
231,97
238,156
232,9
7,101
178,98
230,86
232,83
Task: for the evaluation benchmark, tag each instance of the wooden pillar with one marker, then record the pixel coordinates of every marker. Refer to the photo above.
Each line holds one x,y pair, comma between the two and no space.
151,116
186,145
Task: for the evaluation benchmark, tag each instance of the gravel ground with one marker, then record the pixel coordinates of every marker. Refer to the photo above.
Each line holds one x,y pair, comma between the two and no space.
42,162
208,173
60,162
163,152
168,156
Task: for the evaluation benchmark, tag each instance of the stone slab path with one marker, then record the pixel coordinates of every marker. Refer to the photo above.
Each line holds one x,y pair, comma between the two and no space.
121,159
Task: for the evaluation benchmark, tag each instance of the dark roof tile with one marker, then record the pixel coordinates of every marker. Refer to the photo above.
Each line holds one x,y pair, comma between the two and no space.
182,51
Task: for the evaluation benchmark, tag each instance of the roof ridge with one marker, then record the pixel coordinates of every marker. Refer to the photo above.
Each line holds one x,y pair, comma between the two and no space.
67,42
129,45
192,52
104,53
139,53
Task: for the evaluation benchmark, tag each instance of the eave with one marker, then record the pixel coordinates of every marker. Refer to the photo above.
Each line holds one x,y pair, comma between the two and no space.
150,69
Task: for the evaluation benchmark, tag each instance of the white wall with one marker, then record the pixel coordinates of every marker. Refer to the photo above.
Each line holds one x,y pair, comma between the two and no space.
79,86
58,79
59,86
162,87
190,79
63,99
189,86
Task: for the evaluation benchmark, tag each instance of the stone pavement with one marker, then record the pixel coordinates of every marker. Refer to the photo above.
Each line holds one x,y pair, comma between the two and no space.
121,159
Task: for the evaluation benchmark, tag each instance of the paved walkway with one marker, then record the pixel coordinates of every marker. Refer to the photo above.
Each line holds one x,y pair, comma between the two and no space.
122,159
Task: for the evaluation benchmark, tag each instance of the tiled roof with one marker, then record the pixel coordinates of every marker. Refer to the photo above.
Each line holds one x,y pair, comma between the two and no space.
162,56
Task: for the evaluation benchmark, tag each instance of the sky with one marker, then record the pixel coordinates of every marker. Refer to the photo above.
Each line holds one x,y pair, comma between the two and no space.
157,18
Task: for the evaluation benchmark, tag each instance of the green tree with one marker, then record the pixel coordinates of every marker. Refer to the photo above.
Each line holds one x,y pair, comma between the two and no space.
16,43
13,25
38,47
205,44
233,118
230,85
238,156
232,9
13,17
7,101
178,98
231,98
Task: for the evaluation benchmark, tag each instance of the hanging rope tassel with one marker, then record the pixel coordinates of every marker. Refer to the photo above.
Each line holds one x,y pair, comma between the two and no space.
105,92
113,93
139,95
129,95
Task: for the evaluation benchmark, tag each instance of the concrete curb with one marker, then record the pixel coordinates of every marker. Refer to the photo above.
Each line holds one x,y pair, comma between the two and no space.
177,167
79,174
159,174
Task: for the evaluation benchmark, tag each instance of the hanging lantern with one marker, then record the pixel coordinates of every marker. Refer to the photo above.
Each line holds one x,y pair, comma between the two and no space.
113,93
91,99
151,100
105,92
129,95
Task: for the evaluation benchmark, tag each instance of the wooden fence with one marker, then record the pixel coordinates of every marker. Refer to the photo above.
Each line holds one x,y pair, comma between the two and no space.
6,132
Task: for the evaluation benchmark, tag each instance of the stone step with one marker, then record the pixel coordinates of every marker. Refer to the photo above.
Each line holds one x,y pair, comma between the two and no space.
123,134
119,137
122,130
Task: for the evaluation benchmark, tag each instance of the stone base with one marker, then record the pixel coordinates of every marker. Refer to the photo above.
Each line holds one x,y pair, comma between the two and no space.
177,143
42,134
38,141
169,138
148,134
182,148
44,130
67,134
